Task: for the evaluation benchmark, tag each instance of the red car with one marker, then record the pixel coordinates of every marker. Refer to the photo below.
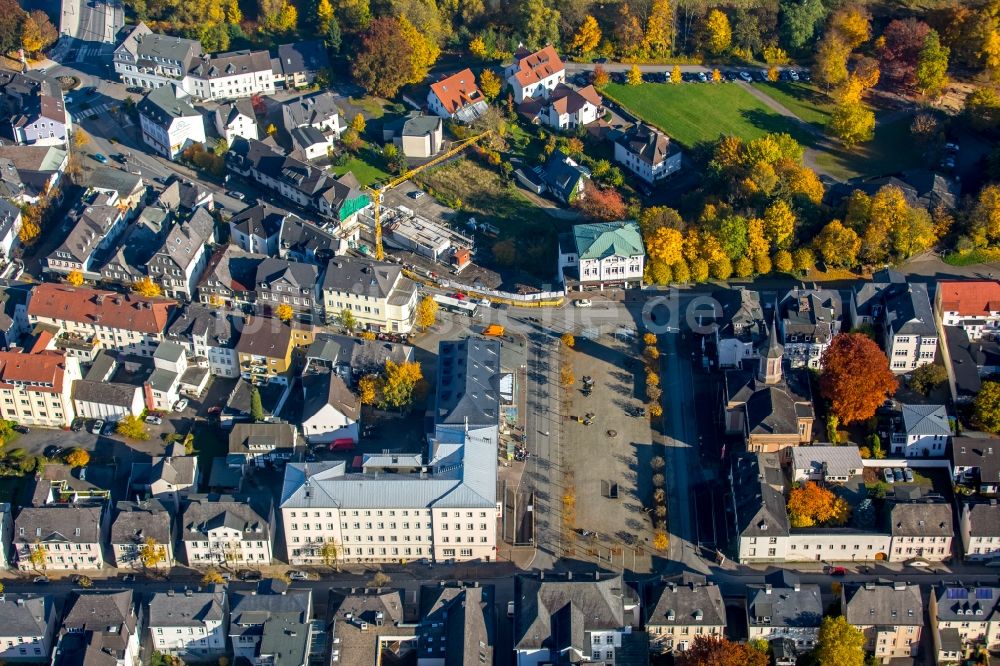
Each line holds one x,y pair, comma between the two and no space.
342,444
836,571
458,296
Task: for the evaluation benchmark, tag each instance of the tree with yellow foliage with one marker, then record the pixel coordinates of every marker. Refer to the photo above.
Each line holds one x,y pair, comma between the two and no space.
78,458
568,340
489,84
830,67
718,32
852,122
37,32
601,77
566,376
80,137
368,335
658,37
779,224
634,76
39,556
675,75
368,389
399,382
782,261
837,245
288,17
212,577
810,504
773,73
30,228
271,129
426,313
424,51
132,427
324,16
74,278
661,541
851,24
716,76
284,312
588,37
146,288
358,123
151,553
234,15
477,47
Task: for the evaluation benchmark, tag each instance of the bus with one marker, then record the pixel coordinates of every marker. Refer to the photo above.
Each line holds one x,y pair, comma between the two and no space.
450,304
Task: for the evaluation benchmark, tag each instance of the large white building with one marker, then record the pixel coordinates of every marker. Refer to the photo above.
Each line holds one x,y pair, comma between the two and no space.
230,75
534,75
67,536
891,617
36,388
603,254
457,97
226,531
972,304
440,505
27,626
187,624
209,336
376,294
900,313
648,153
99,627
169,123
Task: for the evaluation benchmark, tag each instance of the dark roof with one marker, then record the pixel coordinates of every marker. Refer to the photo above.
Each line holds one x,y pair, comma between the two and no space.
26,614
908,311
221,328
305,137
205,514
309,110
647,143
186,608
794,606
686,604
137,521
361,276
307,240
262,219
105,393
281,436
468,382
233,269
558,614
760,504
880,605
234,63
770,408
293,273
265,336
327,388
742,315
458,623
921,519
984,519
812,312
963,354
163,105
358,354
96,610
957,603
58,523
561,174
982,453
303,56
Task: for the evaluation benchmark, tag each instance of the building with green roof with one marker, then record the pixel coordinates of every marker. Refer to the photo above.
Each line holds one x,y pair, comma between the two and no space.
602,254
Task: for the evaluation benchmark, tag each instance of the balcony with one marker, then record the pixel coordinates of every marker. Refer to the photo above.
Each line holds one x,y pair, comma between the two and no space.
75,342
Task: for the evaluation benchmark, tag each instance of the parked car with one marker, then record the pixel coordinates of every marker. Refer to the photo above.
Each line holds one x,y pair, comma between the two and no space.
250,576
746,76
24,430
53,451
951,147
298,575
416,194
485,302
95,428
583,303
835,571
236,195
731,76
510,608
153,419
100,158
897,474
760,75
887,475
41,580
701,77
128,578
181,405
805,75
793,75
908,474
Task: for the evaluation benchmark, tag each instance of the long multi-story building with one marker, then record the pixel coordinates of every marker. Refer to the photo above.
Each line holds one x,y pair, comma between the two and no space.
36,388
226,531
27,626
440,505
376,294
59,537
891,617
188,624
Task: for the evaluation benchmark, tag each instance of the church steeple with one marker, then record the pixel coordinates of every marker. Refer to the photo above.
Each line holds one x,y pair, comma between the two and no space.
769,370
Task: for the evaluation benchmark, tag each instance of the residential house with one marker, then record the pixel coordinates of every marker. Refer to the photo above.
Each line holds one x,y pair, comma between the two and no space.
678,611
188,624
337,200
376,294
318,111
61,485
29,173
782,609
13,312
901,315
565,108
890,616
178,264
10,225
330,410
305,242
281,282
142,536
67,536
30,621
98,222
921,531
980,526
128,187
603,254
169,123
458,623
572,619
921,431
256,229
829,464
535,75
149,60
648,153
368,625
190,195
311,144
37,387
265,349
302,61
457,97
963,620
108,401
227,531
415,135
168,479
771,409
271,625
808,319
975,462
973,305
209,336
736,328
230,75
263,444
162,387
352,357
99,627
560,175
228,280
442,506
236,119
33,106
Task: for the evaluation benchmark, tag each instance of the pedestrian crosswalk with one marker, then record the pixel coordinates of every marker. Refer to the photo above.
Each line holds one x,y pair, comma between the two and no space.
92,111
88,52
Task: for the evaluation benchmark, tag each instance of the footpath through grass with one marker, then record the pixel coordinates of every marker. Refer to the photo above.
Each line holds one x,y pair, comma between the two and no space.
891,151
693,113
806,101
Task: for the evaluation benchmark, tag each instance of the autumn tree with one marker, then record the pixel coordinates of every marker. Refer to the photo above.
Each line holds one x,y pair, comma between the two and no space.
855,378
830,68
212,577
601,77
837,245
587,37
392,54
78,458
718,32
675,75
347,320
399,383
566,376
426,313
537,23
891,229
324,17
37,32
927,377
132,427
368,389
983,219
634,76
568,340
477,47
602,204
840,643
931,73
851,24
852,122
899,52
74,278
628,34
489,84
151,553
986,407
810,504
358,123
39,556
719,651
658,36
284,312
329,551
146,288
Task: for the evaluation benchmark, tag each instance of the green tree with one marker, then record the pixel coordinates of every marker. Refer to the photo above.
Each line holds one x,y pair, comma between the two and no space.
256,405
799,20
347,320
927,377
132,427
932,66
538,24
986,408
840,643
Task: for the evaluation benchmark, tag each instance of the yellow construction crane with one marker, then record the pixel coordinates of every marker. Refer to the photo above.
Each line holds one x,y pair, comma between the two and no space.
377,193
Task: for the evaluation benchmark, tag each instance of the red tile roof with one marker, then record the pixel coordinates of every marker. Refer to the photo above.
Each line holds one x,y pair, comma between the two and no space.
538,65
457,91
46,367
98,307
970,298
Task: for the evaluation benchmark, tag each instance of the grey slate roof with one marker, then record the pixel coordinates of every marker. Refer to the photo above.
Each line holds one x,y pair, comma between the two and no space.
106,178
262,219
175,470
830,460
231,110
921,519
164,105
104,393
327,388
281,436
234,63
249,611
742,315
979,452
231,269
926,420
202,515
94,610
366,277
347,609
25,614
149,46
908,311
307,240
310,110
784,606
458,623
186,608
559,614
297,274
883,605
693,604
306,137
58,523
760,505
358,354
221,328
647,143
984,519
468,383
137,521
562,175
303,56
811,312
770,408
957,603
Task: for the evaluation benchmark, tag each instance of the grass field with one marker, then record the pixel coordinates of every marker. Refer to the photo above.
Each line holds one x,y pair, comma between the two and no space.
695,113
892,150
805,101
367,168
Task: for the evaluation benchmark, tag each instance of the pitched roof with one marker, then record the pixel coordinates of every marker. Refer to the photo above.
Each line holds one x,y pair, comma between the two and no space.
647,143
149,45
265,336
780,606
562,174
101,308
468,382
233,63
43,371
277,435
570,100
831,460
957,603
599,240
893,605
365,277
186,608
458,91
908,311
25,615
59,523
982,453
96,610
105,393
165,104
296,274
693,604
921,519
262,219
137,521
969,298
760,505
220,328
203,515
358,354
984,519
458,623
537,66
303,56
558,615
812,312
327,388
232,269
926,420
306,239
310,110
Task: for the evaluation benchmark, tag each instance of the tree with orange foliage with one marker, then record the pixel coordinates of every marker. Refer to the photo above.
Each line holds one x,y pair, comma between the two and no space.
717,651
810,504
602,204
601,77
855,377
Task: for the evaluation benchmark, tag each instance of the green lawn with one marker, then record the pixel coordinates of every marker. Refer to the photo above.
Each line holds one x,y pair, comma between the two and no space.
694,113
368,167
892,150
806,101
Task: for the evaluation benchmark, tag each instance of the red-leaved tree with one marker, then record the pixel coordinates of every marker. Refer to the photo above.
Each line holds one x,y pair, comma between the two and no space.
714,651
901,44
856,378
602,204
